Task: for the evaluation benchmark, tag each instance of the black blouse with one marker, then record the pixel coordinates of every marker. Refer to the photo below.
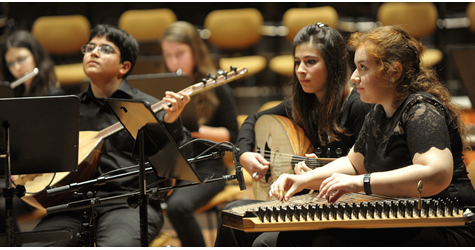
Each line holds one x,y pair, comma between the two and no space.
420,123
223,116
351,118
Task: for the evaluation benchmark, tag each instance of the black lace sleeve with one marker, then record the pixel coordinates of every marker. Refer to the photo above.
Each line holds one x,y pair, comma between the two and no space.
421,122
246,138
426,127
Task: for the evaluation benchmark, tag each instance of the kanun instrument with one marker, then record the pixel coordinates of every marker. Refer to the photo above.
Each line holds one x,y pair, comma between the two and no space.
90,144
283,143
354,210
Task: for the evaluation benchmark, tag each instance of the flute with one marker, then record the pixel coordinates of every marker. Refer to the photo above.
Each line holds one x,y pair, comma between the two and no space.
24,78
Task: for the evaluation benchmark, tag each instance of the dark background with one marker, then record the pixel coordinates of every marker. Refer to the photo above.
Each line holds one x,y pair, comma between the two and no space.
21,15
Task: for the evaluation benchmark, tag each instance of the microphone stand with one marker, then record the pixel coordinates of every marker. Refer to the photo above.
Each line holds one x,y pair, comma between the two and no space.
12,238
103,180
8,191
226,146
139,198
96,201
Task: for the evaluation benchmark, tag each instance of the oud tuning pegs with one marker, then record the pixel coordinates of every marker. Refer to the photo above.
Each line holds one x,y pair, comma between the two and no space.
338,152
204,81
318,152
233,69
329,153
223,73
214,77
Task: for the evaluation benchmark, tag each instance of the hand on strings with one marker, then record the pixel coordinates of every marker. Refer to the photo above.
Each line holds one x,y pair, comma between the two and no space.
174,103
301,167
255,164
335,186
286,186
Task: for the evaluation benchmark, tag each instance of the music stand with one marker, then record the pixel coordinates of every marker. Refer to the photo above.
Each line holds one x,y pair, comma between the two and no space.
157,84
152,141
161,150
40,135
43,133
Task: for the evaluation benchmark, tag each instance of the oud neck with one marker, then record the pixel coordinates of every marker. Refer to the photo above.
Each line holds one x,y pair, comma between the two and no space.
114,128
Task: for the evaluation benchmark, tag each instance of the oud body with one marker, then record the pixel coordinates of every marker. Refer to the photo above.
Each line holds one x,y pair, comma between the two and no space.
89,150
283,143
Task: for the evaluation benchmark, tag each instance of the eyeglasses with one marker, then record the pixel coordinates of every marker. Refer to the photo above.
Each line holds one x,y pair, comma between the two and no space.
321,25
20,61
104,49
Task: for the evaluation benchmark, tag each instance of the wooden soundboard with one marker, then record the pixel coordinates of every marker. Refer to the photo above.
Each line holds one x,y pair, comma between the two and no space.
356,210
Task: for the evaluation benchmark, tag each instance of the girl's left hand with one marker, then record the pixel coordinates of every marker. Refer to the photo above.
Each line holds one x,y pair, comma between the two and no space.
176,104
335,186
301,167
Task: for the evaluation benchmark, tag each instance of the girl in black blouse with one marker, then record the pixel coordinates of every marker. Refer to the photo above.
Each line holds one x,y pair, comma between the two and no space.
323,104
185,51
413,133
21,53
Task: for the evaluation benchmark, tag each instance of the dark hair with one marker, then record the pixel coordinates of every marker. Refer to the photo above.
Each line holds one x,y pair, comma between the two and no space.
128,46
184,32
321,121
46,76
389,44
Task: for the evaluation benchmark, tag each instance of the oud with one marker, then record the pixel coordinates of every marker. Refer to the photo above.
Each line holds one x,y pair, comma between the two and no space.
89,150
283,143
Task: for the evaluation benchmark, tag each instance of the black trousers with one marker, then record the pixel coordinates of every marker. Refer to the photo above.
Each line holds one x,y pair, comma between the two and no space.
182,204
116,226
228,237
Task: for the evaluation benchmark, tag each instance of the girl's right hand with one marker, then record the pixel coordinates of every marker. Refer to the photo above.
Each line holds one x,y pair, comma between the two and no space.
286,186
255,164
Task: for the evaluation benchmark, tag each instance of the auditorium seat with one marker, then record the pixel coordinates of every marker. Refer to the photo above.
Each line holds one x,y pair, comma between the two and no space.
295,19
62,37
471,172
231,192
147,26
419,19
160,240
268,105
471,15
235,30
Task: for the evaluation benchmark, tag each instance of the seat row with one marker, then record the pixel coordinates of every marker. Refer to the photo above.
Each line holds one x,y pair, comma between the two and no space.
231,30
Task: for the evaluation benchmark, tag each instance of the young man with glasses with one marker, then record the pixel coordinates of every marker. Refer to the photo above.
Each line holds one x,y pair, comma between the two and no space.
109,57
